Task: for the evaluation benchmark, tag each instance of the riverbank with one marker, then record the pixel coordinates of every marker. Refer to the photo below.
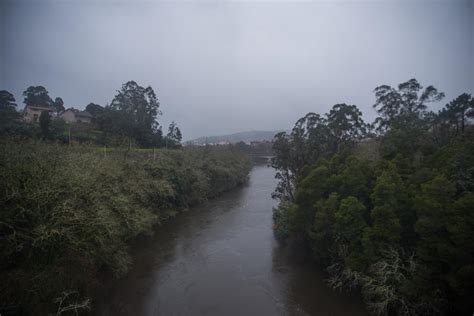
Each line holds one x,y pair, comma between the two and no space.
221,258
68,214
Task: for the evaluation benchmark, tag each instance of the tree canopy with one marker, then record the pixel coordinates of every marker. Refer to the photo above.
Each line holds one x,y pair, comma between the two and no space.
37,96
173,138
58,105
134,111
6,99
95,109
390,212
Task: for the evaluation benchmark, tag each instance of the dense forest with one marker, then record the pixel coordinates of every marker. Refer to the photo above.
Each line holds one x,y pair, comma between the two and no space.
386,207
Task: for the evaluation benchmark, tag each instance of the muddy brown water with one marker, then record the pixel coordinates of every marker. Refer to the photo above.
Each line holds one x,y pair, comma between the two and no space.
221,258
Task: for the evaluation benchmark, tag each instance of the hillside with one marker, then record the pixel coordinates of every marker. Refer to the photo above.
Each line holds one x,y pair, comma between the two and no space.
247,136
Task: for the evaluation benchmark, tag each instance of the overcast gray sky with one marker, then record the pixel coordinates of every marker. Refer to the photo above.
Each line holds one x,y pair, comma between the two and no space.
226,66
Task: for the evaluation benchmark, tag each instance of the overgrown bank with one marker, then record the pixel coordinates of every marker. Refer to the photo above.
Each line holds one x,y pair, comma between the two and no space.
67,214
386,207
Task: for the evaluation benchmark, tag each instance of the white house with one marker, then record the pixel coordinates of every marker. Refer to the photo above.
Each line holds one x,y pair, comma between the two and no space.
76,116
32,113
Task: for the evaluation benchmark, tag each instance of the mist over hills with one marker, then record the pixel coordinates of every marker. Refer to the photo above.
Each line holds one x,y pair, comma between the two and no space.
247,136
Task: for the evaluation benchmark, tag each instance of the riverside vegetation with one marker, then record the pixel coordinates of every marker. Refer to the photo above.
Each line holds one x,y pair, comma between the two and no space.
387,208
68,214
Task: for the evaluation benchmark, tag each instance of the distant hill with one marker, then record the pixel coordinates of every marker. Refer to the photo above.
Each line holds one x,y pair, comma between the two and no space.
248,136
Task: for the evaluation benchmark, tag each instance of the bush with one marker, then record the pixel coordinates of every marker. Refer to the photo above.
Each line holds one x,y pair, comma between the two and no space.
69,213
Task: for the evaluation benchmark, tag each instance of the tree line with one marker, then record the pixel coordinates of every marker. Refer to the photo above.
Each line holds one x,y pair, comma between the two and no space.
131,116
386,207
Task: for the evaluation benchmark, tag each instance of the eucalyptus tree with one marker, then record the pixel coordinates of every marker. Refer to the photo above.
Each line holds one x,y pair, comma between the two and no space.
58,105
283,164
94,109
7,99
174,136
459,109
345,125
138,109
37,96
8,112
407,101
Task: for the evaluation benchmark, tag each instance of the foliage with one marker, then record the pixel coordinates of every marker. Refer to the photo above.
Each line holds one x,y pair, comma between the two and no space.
390,215
281,220
345,125
37,96
9,116
58,105
94,109
12,126
458,111
408,101
173,138
68,213
45,122
131,118
314,137
134,110
7,99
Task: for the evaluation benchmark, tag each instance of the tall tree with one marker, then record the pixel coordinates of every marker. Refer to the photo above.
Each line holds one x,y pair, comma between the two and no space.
174,136
45,122
179,136
387,197
282,162
58,105
8,112
37,96
94,109
292,152
139,109
349,225
346,125
7,99
322,232
458,110
410,99
309,141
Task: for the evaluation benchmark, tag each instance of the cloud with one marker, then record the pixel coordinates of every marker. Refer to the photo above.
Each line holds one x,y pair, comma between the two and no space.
226,66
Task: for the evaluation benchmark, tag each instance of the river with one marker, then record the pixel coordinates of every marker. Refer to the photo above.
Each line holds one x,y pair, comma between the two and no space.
221,259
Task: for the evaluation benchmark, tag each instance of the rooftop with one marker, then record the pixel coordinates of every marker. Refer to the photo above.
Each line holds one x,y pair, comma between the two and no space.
39,108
